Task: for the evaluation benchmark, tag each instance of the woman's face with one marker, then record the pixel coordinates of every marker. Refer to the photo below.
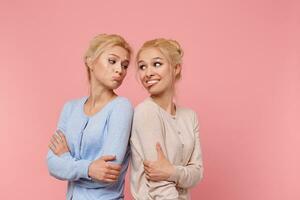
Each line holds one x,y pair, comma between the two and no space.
110,68
155,71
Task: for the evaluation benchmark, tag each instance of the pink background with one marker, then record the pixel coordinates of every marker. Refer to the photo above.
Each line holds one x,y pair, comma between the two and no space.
241,73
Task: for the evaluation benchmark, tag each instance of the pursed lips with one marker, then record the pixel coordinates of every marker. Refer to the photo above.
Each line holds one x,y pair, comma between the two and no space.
114,78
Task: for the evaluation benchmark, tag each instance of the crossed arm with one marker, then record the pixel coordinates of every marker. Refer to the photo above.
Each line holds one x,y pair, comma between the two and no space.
100,169
104,170
162,176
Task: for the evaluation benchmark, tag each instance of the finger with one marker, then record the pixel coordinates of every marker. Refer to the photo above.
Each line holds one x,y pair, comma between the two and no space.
114,166
58,131
112,177
147,177
57,138
147,167
59,143
151,177
57,134
108,158
54,141
113,172
160,153
61,135
147,163
52,147
63,138
147,170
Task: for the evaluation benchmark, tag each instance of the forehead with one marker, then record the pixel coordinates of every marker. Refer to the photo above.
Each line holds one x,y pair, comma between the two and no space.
116,50
151,53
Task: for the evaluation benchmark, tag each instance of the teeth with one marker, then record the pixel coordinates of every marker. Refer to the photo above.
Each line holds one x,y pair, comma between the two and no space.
152,81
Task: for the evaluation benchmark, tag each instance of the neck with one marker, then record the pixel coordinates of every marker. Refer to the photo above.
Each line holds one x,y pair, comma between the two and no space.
165,100
99,95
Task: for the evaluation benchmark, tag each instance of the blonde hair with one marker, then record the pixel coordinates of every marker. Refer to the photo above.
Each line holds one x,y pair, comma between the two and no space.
170,48
97,46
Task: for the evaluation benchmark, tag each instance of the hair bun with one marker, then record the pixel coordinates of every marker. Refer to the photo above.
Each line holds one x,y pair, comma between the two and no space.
177,46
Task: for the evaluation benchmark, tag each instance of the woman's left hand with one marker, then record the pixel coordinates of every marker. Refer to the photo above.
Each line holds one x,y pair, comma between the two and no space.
58,143
159,170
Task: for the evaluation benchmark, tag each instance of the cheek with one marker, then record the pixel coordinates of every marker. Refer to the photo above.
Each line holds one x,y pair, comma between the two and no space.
166,73
100,68
124,73
167,78
141,75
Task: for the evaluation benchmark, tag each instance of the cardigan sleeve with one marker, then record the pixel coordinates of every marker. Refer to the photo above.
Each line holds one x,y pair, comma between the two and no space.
118,131
65,167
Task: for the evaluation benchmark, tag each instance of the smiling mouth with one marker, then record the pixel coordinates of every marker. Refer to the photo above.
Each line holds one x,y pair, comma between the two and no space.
150,83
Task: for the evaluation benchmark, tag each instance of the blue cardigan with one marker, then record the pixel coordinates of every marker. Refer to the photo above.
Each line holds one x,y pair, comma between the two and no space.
90,137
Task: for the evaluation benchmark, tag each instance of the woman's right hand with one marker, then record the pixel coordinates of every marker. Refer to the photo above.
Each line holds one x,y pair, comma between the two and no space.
102,170
58,143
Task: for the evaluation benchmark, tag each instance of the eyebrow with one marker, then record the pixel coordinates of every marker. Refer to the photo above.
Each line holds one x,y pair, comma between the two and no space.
156,58
114,55
125,61
118,56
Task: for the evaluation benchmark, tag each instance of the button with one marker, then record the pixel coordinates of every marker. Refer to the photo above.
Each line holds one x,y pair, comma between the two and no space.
179,132
182,145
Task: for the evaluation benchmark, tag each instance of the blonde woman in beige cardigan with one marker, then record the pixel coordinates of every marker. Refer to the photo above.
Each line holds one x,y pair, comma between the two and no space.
166,155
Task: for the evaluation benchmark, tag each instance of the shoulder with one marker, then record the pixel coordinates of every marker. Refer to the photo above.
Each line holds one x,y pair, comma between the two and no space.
122,102
187,113
121,107
146,112
147,107
68,109
73,103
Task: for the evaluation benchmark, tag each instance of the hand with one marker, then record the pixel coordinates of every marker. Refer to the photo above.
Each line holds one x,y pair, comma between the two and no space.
159,170
58,143
102,170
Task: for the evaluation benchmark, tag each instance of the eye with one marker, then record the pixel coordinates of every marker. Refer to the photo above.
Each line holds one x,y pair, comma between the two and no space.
142,67
125,64
157,64
111,61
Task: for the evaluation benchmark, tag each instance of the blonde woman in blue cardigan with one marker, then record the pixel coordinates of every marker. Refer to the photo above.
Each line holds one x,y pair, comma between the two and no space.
90,149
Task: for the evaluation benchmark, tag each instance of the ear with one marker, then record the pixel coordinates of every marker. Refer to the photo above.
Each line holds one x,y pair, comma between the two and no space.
89,63
177,69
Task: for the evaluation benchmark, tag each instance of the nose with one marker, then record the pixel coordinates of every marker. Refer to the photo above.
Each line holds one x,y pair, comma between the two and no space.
118,69
149,72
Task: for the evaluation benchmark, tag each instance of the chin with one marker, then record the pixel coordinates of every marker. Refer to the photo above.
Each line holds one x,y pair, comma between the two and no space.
114,85
153,91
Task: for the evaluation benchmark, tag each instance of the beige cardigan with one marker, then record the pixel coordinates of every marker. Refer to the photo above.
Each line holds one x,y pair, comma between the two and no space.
178,136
